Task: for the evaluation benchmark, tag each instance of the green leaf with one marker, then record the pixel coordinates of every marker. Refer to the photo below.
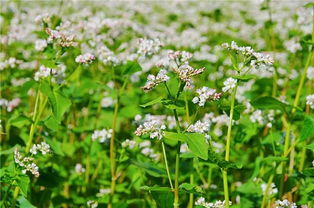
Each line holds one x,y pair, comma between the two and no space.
49,63
55,146
250,188
308,128
150,168
269,103
24,203
23,182
163,199
162,195
130,67
215,158
46,89
274,159
63,104
157,100
197,144
245,78
310,146
273,137
308,5
19,121
309,172
171,104
172,136
155,188
52,123
189,188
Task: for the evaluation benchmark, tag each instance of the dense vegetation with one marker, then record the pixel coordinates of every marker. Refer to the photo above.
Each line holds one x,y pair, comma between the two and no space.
157,104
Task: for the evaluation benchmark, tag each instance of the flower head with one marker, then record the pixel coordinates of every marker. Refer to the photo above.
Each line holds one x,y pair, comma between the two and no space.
205,94
153,81
229,84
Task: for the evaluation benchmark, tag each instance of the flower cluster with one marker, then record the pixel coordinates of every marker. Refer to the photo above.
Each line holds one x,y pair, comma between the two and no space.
310,100
205,94
258,60
58,75
62,38
271,190
106,56
152,127
129,144
10,105
285,204
199,127
229,84
103,191
148,47
218,204
27,163
153,81
85,58
43,147
102,135
258,117
310,73
9,63
146,150
79,168
107,102
40,44
186,72
180,57
92,204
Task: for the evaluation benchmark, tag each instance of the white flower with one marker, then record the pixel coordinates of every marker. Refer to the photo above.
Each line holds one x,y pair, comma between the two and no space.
42,73
40,45
26,163
103,192
43,147
257,117
310,73
85,58
107,102
258,60
153,127
199,127
292,45
102,135
184,148
79,168
218,204
129,143
153,81
148,47
186,72
285,204
229,84
271,190
13,104
205,94
92,204
310,100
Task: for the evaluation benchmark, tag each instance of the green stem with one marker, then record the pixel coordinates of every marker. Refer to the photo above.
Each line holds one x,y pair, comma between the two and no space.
227,155
191,197
31,133
112,154
288,128
166,164
177,168
265,197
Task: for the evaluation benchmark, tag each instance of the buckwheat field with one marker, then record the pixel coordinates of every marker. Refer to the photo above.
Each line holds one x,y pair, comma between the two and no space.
157,104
